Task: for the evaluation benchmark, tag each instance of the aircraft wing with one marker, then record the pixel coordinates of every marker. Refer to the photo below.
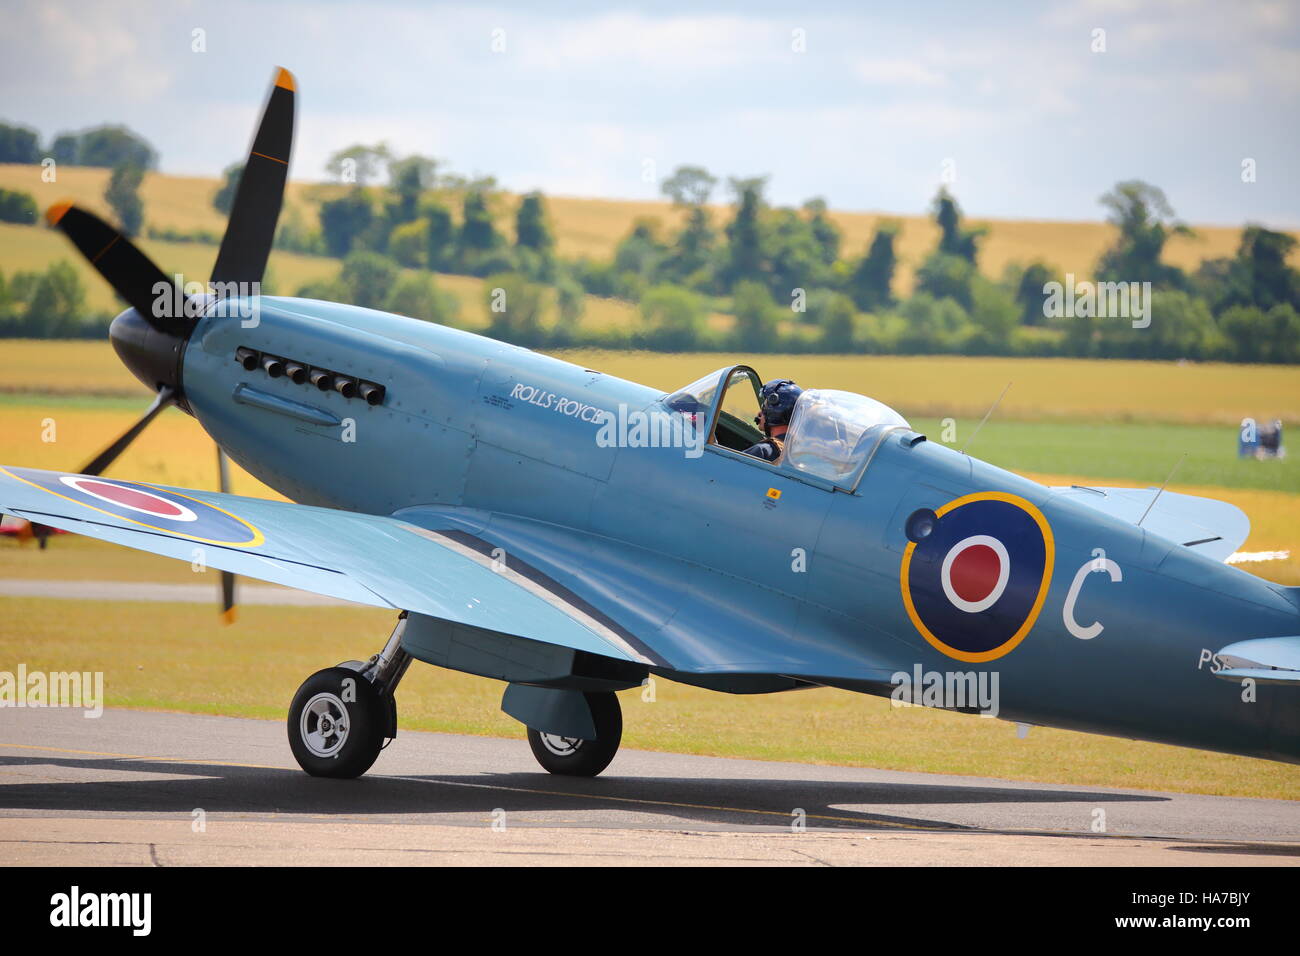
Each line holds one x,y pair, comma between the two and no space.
1213,528
369,559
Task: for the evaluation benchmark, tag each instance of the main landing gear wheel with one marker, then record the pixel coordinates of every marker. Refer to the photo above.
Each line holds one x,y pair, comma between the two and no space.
337,723
575,757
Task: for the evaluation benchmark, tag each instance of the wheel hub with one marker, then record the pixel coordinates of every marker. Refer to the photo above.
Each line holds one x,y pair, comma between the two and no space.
324,725
561,746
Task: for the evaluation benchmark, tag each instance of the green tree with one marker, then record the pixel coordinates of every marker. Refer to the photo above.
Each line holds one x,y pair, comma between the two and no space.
224,199
1181,327
932,325
1146,222
673,318
834,315
516,308
16,206
123,196
409,178
18,144
439,237
416,295
367,278
795,259
478,232
689,259
345,220
1253,335
638,257
689,186
408,243
825,232
745,250
871,283
104,146
954,238
994,315
1029,292
1260,275
756,317
947,276
531,229
57,303
570,299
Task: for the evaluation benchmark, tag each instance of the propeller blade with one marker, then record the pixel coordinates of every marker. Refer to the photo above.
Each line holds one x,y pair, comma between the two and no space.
110,454
228,612
256,209
128,270
227,579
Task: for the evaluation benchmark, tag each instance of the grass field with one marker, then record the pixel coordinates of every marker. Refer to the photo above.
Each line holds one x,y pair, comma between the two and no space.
592,227
1121,422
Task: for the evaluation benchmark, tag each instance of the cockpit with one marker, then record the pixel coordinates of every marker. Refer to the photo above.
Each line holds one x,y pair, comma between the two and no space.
832,436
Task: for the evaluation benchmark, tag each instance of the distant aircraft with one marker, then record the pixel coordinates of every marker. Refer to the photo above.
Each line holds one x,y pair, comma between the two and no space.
573,534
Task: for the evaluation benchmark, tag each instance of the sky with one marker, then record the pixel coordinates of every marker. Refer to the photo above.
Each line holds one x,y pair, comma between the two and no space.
1024,109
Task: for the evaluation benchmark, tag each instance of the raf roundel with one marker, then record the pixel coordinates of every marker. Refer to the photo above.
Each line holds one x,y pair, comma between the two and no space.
126,496
156,508
974,586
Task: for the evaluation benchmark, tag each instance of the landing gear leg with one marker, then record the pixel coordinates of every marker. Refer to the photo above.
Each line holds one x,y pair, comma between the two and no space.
341,716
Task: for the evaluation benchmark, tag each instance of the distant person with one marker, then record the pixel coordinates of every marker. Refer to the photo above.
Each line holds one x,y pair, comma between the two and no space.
776,405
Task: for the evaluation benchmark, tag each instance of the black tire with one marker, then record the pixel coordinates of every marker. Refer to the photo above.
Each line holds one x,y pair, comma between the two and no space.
354,730
572,757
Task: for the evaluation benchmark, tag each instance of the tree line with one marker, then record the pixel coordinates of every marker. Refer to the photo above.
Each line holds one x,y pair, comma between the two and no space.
782,277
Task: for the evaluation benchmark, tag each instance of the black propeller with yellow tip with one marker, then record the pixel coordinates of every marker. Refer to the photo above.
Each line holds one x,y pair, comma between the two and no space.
150,337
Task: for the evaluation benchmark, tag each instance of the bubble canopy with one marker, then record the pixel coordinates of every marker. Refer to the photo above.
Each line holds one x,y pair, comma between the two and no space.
833,434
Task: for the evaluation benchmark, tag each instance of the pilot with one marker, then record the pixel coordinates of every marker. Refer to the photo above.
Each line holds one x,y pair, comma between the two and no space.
776,405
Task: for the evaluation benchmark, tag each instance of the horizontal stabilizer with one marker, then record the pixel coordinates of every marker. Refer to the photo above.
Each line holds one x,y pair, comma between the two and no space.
1213,528
1267,660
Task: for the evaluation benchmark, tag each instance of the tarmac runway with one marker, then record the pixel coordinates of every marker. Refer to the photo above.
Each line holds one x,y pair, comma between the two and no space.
148,788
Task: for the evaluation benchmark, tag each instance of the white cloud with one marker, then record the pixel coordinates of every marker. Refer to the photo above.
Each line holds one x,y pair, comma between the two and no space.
622,40
898,72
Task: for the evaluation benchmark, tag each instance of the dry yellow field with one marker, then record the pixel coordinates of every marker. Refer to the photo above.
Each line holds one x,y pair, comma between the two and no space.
1044,389
592,227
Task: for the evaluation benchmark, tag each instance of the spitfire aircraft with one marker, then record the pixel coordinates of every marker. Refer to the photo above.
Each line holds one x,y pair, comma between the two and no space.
573,534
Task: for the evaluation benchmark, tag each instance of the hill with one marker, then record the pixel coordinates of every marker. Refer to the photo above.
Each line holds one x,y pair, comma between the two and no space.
593,227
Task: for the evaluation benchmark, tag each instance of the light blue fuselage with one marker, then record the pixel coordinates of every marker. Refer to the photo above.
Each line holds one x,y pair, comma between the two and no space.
811,577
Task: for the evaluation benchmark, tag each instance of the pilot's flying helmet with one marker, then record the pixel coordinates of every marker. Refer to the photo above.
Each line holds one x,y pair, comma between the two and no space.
777,398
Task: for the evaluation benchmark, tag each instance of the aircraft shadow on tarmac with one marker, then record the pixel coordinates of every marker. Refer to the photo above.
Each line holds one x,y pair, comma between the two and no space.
436,798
